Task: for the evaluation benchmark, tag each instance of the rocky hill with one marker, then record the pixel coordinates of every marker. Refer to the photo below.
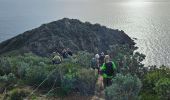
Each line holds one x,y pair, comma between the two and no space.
65,33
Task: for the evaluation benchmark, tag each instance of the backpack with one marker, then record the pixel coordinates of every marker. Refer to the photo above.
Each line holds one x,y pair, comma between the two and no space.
110,71
93,63
65,55
70,53
101,60
57,59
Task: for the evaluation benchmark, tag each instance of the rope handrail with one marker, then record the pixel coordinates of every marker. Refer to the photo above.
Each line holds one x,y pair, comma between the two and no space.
41,83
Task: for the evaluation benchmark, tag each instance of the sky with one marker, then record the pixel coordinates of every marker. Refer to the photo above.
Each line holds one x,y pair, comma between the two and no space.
119,0
95,0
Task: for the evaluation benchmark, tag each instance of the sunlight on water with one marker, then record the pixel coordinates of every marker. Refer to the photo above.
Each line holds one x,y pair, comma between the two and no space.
137,3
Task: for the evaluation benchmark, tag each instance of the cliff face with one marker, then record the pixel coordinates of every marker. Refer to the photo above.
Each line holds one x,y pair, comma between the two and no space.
66,33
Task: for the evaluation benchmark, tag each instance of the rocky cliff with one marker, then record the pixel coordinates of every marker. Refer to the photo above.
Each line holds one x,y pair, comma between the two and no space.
66,33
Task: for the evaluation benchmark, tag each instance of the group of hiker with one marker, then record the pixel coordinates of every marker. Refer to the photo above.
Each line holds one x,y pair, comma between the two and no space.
58,58
106,68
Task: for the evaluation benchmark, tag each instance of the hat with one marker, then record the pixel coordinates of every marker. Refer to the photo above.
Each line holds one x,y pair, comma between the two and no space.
102,53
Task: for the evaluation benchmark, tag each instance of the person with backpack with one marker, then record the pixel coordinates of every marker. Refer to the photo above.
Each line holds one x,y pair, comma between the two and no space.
56,59
69,52
101,59
93,63
108,71
64,53
97,56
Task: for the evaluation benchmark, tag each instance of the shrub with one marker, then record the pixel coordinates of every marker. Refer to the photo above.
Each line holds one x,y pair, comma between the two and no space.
127,60
83,58
71,75
35,75
8,80
86,81
5,67
66,88
27,67
123,88
162,88
21,70
18,94
67,74
148,96
156,83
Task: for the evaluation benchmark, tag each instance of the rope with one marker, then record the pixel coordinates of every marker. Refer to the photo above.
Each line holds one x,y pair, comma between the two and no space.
52,87
41,83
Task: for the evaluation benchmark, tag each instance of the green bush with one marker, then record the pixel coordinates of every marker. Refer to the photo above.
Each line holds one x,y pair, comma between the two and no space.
156,83
83,58
5,67
123,88
66,88
148,96
35,75
73,74
127,60
18,94
7,81
86,81
162,88
80,79
27,67
22,68
67,74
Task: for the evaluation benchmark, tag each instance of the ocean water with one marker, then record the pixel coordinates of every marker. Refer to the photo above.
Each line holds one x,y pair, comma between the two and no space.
147,21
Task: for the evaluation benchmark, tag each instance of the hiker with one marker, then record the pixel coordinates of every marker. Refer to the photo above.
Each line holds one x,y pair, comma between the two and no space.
93,63
97,62
56,59
69,52
108,71
64,53
101,59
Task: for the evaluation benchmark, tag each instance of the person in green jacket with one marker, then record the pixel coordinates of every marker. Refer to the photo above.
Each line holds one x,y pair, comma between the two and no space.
108,71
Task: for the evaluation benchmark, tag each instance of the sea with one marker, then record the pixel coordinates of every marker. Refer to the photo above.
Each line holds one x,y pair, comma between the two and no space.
148,21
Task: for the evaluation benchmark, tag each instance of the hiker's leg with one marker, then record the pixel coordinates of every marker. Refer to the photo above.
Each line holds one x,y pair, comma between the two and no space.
109,81
104,82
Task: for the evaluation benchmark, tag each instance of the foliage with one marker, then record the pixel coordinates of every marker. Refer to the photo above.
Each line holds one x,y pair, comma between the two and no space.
22,68
83,58
162,88
34,70
19,64
86,81
18,94
123,88
7,81
80,79
35,75
65,73
75,70
148,96
156,83
127,60
5,67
